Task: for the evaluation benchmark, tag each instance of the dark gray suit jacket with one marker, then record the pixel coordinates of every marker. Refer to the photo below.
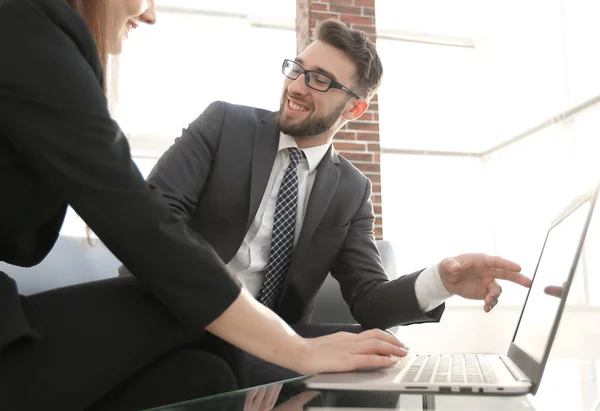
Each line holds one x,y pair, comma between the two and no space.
214,176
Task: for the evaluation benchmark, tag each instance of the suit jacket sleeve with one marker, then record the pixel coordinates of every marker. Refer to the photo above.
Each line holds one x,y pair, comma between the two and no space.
375,301
59,122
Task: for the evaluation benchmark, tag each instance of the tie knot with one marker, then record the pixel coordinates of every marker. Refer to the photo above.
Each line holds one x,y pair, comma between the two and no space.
295,155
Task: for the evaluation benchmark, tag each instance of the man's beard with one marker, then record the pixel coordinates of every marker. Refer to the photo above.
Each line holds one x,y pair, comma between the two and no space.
310,126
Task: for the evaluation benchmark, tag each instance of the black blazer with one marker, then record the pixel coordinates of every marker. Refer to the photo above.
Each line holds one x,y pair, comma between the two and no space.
214,178
59,147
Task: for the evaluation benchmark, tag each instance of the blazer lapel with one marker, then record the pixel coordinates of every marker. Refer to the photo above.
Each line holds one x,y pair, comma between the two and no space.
266,142
325,184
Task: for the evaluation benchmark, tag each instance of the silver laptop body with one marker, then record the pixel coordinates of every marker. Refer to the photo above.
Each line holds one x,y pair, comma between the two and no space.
520,370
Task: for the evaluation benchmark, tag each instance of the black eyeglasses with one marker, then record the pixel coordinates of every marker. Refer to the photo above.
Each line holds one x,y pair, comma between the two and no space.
314,79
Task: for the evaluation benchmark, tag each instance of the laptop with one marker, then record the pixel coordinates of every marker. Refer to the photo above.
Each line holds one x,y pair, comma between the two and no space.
518,372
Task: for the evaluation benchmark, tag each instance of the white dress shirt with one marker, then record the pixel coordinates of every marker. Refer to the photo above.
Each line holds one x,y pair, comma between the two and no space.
250,262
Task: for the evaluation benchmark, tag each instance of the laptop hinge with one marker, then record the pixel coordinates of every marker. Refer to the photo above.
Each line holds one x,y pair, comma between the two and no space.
514,370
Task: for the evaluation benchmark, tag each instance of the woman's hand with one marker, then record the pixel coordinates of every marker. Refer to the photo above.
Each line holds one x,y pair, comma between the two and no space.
346,352
254,328
262,398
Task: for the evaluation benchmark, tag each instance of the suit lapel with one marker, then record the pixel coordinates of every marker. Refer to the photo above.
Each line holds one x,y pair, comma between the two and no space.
266,142
321,194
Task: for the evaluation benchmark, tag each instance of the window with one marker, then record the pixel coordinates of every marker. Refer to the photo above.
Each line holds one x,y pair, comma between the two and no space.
198,52
462,169
169,73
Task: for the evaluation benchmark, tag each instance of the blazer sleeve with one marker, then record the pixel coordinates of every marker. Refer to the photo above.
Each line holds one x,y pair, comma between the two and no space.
60,124
182,171
374,300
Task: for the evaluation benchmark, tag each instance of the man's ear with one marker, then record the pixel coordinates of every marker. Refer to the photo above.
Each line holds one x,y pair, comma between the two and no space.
358,109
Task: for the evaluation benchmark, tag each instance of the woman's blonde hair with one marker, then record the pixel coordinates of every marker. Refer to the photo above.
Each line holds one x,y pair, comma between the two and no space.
95,14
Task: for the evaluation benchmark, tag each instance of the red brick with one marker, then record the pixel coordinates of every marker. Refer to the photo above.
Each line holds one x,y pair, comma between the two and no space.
322,16
365,3
356,157
376,188
376,198
367,137
368,11
319,7
374,147
375,178
345,135
377,158
363,125
349,146
341,2
377,209
350,10
366,21
366,167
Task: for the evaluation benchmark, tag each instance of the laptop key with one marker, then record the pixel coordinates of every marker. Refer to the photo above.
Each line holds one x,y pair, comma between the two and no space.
474,378
425,377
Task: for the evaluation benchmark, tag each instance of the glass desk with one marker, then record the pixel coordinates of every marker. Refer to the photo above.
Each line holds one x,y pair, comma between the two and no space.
567,385
571,381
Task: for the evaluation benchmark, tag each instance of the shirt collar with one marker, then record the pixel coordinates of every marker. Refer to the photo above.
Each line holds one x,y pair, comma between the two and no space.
314,155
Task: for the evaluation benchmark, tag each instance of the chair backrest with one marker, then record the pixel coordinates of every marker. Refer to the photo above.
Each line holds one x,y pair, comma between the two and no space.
330,306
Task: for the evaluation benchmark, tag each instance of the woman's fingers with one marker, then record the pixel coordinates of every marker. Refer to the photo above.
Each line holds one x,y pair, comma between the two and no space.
346,351
381,335
250,399
360,361
271,396
378,347
346,337
256,402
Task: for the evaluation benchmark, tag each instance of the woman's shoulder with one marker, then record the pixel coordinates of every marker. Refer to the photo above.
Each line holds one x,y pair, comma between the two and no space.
41,8
46,16
36,33
48,55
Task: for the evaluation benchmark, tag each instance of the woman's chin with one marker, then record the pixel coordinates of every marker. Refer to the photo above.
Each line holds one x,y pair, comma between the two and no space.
116,48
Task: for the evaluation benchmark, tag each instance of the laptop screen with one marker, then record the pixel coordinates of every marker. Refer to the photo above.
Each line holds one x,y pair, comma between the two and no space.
554,267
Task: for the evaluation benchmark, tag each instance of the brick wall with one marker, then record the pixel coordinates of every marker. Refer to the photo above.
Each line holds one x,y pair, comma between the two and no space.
358,141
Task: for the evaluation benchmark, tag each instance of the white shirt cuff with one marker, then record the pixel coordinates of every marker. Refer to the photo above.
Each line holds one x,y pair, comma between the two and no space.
430,290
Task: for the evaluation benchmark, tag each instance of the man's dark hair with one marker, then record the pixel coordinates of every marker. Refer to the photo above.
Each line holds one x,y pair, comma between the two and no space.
359,48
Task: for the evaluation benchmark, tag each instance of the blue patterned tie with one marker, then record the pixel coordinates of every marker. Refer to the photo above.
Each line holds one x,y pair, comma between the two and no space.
282,239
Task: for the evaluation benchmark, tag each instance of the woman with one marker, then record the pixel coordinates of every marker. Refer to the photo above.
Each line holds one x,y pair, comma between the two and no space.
122,343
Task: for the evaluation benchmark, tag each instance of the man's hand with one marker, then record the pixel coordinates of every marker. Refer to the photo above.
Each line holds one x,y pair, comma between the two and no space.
555,290
474,276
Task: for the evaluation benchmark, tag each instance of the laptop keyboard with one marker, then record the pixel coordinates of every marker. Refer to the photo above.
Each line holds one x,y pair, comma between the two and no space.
451,369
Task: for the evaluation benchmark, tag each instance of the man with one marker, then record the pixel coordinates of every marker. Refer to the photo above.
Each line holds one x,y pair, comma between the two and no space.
283,209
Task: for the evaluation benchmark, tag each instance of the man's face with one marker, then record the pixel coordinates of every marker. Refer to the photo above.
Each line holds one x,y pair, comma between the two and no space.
305,112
